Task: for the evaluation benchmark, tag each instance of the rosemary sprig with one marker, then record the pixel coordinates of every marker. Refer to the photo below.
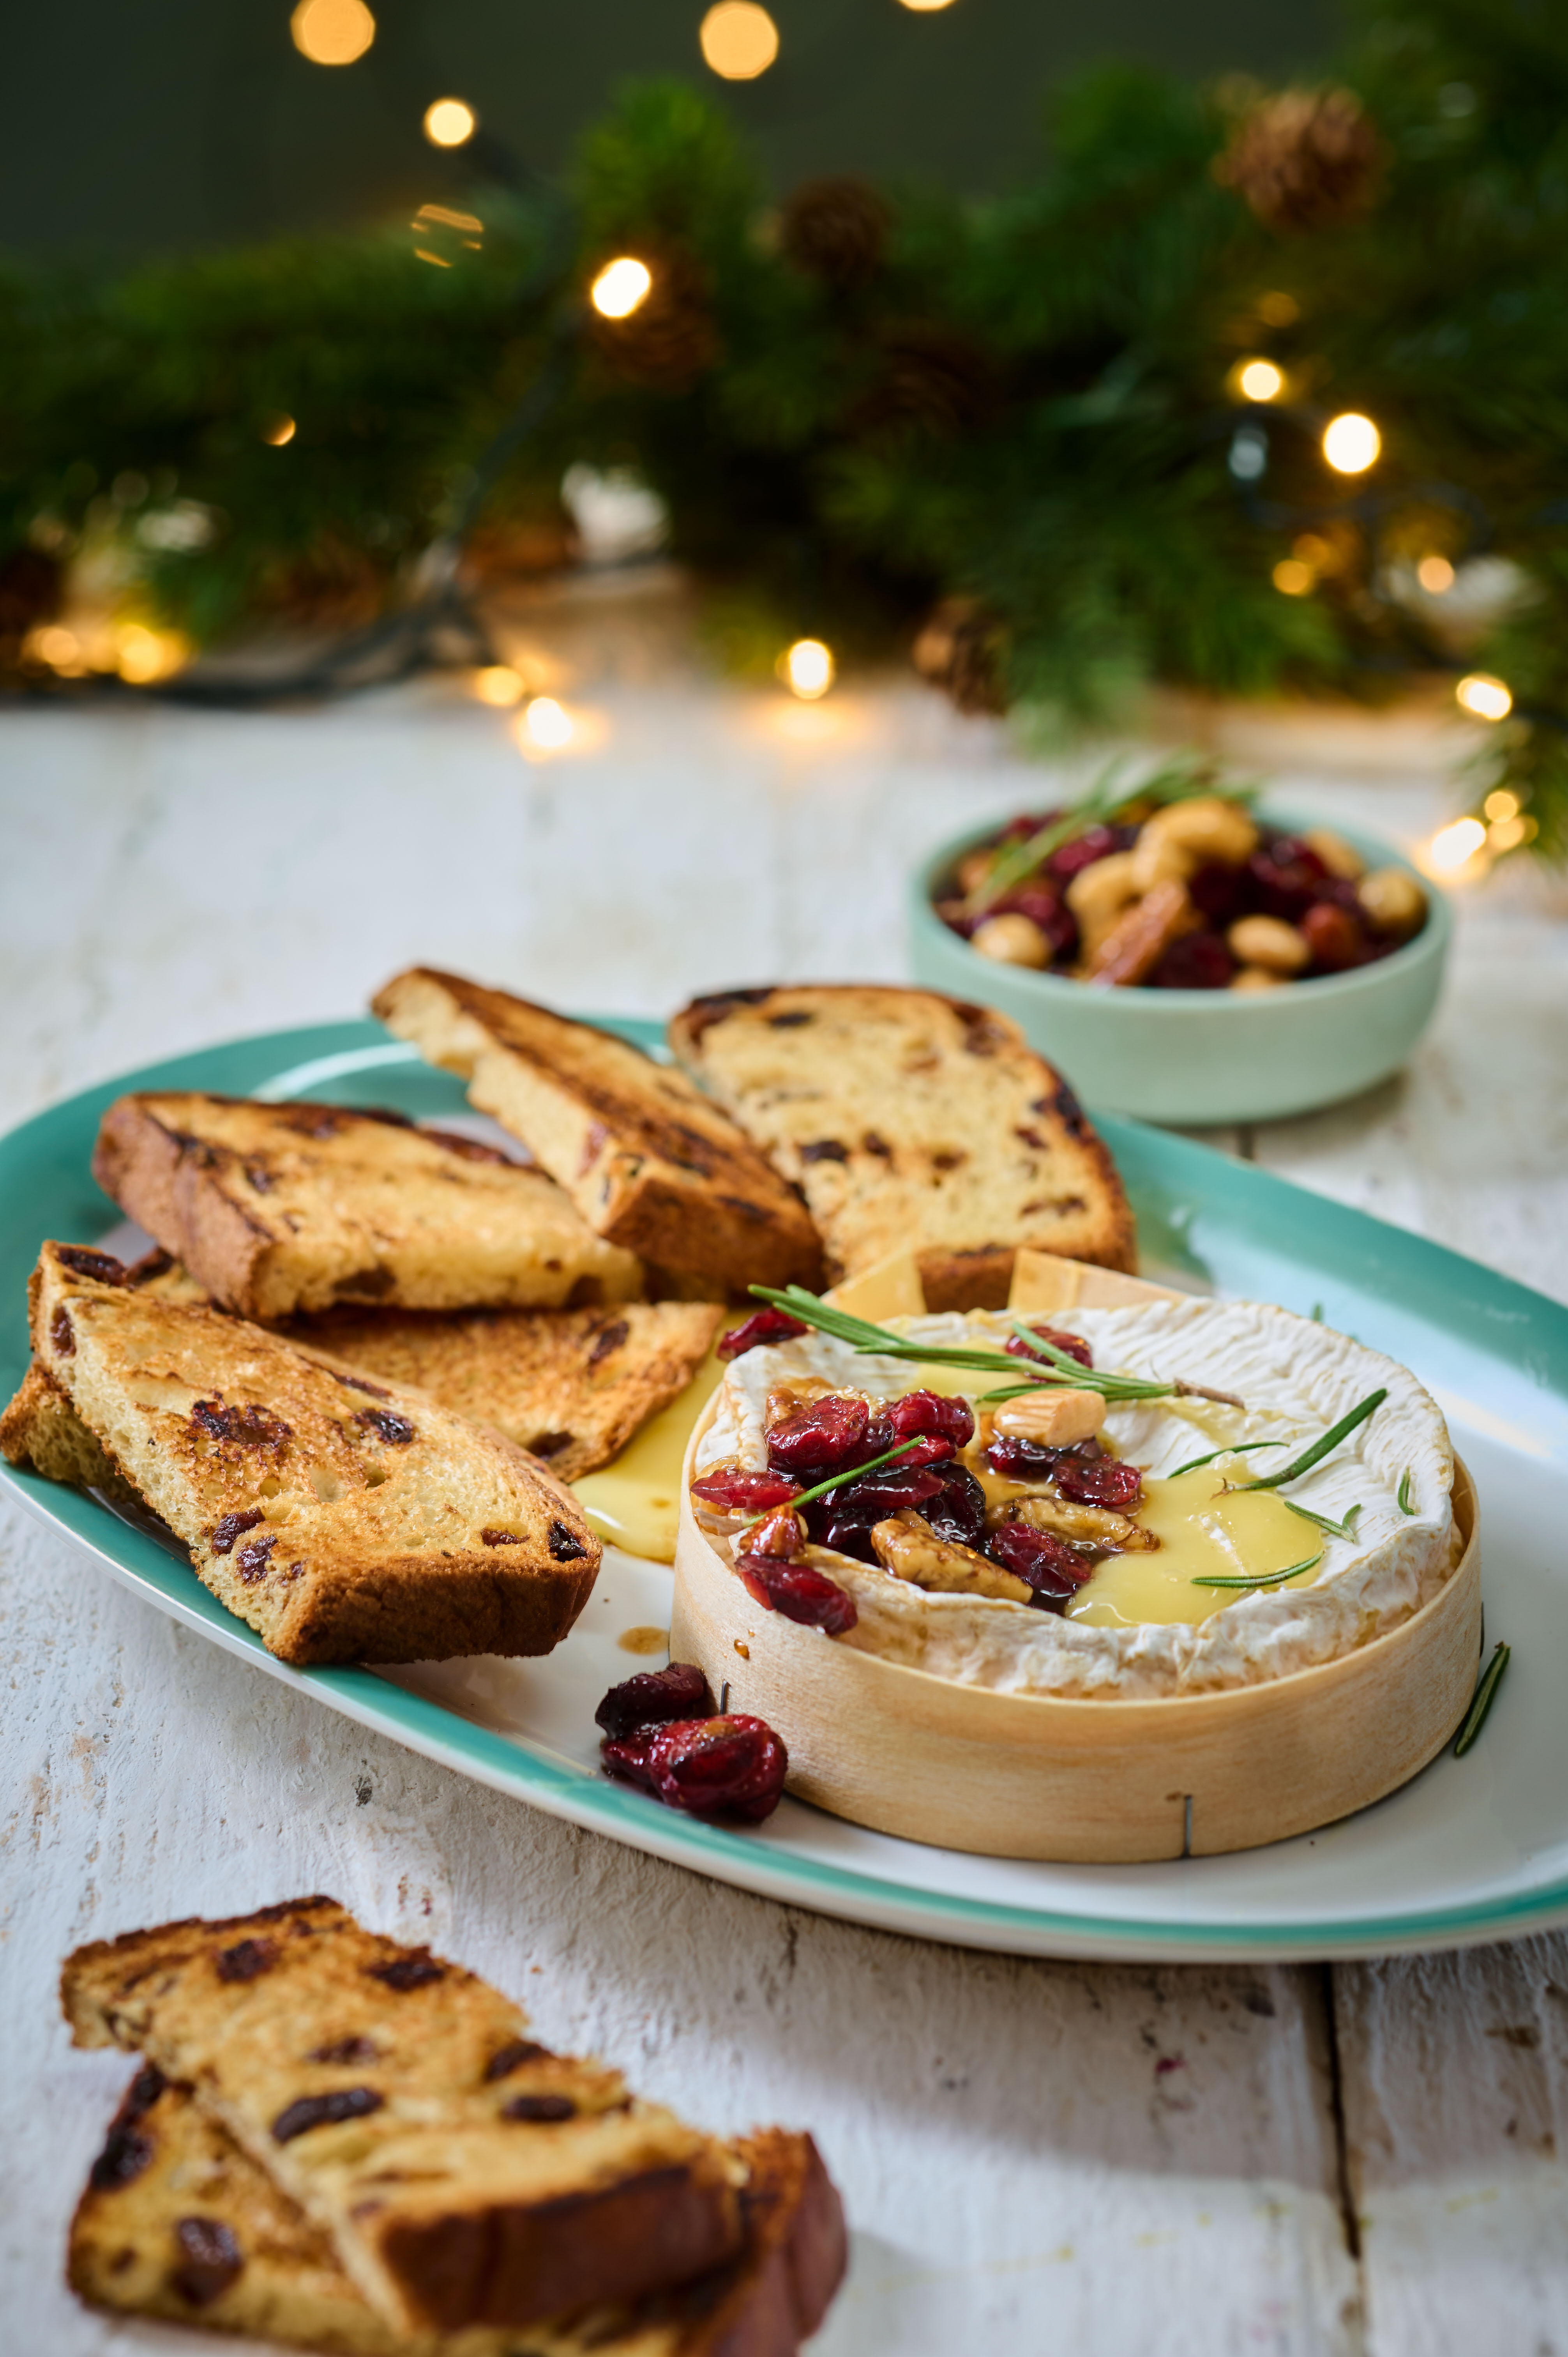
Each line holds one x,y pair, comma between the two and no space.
1255,1579
1345,1530
1246,1448
876,1341
835,1481
1177,780
1485,1695
1320,1448
1404,1500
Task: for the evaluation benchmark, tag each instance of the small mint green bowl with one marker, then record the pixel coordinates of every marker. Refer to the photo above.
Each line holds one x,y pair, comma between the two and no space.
1197,1056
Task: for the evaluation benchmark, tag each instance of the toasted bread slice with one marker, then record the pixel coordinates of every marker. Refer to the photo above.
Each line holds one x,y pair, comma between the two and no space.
649,1162
177,2222
342,1518
280,1210
910,1121
463,2174
569,1385
41,1432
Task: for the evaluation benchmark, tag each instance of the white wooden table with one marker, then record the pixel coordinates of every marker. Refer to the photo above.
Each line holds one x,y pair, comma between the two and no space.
1035,2157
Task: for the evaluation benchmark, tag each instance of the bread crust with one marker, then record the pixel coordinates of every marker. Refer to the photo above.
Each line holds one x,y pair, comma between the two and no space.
912,1120
651,1163
464,2175
285,1210
315,1502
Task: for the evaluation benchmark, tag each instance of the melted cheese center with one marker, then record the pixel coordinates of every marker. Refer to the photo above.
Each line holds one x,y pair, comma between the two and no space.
1204,1531
635,1500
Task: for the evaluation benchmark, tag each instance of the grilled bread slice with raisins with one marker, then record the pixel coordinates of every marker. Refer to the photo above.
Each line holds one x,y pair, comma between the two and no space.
344,1518
283,1210
911,1121
569,1385
463,2174
177,2222
650,1161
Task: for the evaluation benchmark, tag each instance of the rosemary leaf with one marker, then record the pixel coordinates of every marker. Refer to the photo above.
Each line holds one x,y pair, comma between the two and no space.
1485,1695
1345,1530
1246,1448
1320,1448
834,1480
1404,1505
1315,1313
1259,1579
1058,1370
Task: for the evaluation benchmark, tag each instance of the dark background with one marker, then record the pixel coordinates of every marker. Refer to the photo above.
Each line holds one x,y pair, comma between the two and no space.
136,126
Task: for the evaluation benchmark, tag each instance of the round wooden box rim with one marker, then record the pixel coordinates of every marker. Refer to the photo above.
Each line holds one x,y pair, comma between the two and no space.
1466,1516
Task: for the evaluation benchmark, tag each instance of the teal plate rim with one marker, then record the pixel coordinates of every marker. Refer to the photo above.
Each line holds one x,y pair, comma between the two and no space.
1203,1214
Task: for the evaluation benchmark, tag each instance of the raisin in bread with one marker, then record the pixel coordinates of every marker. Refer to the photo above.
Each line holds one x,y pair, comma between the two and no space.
343,1518
648,1160
177,2222
910,1121
569,1385
462,2174
284,1208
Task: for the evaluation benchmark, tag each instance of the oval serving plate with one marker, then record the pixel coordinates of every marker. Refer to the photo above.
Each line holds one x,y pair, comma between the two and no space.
1469,1850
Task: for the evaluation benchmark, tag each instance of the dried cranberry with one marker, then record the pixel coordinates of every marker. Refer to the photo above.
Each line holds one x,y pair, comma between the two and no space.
843,1534
1336,937
653,1698
1071,858
1051,1567
1072,1346
958,1513
763,1325
1017,1460
799,1592
1197,961
1045,907
733,1766
931,1412
1219,893
1099,1481
731,1491
870,1499
1286,874
820,1438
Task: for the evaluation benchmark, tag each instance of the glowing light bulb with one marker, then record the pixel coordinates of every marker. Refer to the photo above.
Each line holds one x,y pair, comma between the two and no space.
448,123
1486,697
547,724
807,667
1293,577
55,645
739,41
498,683
1500,806
1260,381
925,8
1508,834
620,286
278,430
332,32
1351,443
1455,845
142,655
1435,574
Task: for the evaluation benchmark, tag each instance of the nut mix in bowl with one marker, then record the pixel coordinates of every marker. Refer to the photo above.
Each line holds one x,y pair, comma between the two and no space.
1176,885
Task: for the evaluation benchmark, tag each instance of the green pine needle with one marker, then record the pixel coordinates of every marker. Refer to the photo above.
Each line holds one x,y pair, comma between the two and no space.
1256,1580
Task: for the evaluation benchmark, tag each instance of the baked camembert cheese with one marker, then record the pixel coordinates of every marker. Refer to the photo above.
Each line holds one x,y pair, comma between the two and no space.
1169,1496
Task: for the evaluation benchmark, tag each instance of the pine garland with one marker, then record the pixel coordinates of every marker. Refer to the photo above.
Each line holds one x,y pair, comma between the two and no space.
1010,431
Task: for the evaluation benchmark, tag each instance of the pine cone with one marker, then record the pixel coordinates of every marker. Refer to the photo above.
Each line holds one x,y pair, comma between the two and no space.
1305,160
836,229
931,377
670,338
959,651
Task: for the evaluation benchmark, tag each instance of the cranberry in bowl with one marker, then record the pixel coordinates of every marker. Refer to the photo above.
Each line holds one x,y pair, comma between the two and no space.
1278,967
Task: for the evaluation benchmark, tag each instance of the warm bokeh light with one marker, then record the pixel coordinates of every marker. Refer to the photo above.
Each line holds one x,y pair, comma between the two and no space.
142,655
53,644
1260,381
925,8
1435,574
1508,834
1500,806
1278,309
1486,697
1454,846
808,668
740,39
278,430
332,32
449,123
1351,443
498,683
620,286
546,725
1293,577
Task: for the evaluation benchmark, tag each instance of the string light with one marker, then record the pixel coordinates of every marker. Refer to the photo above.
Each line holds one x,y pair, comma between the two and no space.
55,645
448,123
1436,576
1351,443
1455,845
1486,697
332,32
1258,381
739,41
546,725
1293,577
1500,805
498,683
808,668
1508,834
278,430
925,8
620,286
142,655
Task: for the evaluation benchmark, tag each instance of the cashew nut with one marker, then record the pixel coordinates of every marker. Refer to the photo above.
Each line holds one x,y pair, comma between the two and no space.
1185,836
1269,942
1252,978
1012,939
1054,1416
1393,900
1338,856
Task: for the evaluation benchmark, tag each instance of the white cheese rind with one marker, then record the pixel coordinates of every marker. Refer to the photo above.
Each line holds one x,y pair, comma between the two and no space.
1296,1377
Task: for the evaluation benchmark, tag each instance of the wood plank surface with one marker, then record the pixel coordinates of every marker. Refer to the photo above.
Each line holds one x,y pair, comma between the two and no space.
1036,2157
